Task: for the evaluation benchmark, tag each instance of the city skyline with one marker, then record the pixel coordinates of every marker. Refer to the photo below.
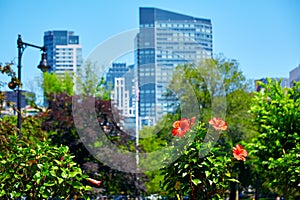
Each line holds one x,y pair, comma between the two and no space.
261,36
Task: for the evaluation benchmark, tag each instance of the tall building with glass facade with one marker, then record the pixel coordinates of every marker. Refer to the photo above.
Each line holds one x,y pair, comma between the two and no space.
166,40
64,53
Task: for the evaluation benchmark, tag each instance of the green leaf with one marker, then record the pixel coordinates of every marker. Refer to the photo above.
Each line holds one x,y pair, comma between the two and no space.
233,180
228,174
184,174
60,180
28,187
37,175
49,184
73,174
196,181
53,173
40,166
207,173
64,174
77,185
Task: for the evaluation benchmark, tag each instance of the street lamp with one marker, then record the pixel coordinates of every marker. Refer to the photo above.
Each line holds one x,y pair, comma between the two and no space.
43,66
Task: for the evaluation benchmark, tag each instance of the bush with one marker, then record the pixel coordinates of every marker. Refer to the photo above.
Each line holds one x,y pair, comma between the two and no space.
38,170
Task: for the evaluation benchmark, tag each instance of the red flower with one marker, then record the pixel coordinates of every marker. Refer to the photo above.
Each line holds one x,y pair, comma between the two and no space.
95,182
239,152
180,128
218,123
62,158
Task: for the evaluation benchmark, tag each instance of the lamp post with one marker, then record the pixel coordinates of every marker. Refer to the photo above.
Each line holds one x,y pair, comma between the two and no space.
43,66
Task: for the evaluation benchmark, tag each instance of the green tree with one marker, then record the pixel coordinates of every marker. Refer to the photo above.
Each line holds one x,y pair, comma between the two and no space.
53,83
213,82
90,83
275,151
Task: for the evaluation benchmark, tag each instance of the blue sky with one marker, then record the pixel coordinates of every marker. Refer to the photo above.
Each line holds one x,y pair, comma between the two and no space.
263,36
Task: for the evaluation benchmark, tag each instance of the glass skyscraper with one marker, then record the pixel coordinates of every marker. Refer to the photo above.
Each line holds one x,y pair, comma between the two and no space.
166,40
64,53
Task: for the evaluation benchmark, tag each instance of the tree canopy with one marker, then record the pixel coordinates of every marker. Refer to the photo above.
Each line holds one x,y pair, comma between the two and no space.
274,152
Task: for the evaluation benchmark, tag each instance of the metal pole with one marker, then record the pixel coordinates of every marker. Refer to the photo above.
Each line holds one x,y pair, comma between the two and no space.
43,66
20,45
137,96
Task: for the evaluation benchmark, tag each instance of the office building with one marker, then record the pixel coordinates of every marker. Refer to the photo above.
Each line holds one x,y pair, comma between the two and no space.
295,75
10,103
165,40
285,82
120,80
26,97
121,98
64,52
125,75
117,70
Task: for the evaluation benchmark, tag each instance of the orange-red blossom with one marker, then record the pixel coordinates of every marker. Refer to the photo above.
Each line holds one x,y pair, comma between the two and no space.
180,128
239,152
218,123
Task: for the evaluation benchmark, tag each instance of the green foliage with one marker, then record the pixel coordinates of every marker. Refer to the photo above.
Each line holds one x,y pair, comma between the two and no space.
196,173
52,83
211,79
153,139
238,118
221,89
153,185
90,83
38,170
31,128
275,151
32,166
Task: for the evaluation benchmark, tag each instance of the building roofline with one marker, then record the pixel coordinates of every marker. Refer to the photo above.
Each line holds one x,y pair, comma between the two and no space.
187,17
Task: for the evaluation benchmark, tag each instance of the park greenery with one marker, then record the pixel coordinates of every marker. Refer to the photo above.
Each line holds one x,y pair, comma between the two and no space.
239,139
31,165
275,151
